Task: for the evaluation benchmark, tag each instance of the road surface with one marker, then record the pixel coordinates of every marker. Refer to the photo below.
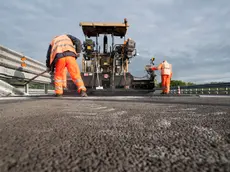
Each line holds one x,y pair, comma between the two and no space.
115,134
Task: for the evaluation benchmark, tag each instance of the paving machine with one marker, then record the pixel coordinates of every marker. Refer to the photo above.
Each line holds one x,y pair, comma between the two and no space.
106,67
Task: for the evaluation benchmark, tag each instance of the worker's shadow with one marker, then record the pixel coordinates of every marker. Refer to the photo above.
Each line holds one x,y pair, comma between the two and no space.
18,74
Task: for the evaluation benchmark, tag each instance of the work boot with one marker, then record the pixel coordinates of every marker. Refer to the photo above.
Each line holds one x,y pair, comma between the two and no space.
83,94
58,95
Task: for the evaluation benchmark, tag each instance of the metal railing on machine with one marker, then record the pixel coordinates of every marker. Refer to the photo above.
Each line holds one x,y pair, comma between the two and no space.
205,89
16,69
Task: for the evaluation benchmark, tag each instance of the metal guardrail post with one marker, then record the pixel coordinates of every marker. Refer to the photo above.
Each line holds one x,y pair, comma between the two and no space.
46,88
27,88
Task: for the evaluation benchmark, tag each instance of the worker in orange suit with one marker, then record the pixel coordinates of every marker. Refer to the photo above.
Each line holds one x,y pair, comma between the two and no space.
166,75
62,54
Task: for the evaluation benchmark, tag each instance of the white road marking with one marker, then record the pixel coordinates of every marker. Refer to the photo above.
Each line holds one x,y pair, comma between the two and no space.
100,108
80,113
119,113
219,113
108,110
189,109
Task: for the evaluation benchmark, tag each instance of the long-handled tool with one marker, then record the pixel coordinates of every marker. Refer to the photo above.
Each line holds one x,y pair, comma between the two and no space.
35,77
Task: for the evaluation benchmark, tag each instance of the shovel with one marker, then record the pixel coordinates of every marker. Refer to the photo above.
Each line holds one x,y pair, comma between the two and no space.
35,77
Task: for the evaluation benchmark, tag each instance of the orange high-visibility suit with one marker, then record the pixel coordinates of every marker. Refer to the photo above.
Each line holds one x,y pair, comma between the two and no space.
166,75
62,54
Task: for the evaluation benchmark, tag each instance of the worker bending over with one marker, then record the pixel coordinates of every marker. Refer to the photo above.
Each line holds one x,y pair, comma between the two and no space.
166,75
62,54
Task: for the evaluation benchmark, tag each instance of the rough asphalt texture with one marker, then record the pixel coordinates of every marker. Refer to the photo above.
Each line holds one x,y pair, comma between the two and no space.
89,135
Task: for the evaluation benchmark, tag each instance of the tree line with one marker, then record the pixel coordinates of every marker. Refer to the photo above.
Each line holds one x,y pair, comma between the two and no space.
175,83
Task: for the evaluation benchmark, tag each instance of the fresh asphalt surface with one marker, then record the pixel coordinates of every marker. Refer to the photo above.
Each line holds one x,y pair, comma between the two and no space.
115,134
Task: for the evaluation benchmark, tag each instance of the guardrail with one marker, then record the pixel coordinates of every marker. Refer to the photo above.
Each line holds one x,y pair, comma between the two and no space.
13,73
39,91
208,89
10,66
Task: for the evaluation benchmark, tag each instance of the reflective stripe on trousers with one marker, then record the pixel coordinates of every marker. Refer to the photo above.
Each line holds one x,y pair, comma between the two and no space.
58,80
80,84
58,88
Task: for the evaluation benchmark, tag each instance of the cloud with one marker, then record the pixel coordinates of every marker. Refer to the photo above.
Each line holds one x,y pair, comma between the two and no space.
192,35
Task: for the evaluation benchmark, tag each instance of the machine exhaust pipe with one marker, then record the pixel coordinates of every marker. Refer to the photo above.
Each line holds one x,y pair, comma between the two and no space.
105,45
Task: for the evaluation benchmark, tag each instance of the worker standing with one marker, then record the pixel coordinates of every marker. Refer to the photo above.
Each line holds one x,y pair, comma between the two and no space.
166,75
62,54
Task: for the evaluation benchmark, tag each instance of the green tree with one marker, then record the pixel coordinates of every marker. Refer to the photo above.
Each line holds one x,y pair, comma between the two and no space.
175,83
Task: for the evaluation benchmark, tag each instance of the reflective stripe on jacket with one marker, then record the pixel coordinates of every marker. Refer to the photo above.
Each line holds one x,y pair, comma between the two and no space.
61,44
166,68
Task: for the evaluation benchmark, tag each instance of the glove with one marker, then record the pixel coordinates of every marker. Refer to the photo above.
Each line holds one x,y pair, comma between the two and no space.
154,68
77,55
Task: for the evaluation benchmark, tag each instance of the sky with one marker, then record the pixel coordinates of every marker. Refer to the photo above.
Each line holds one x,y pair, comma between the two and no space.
192,35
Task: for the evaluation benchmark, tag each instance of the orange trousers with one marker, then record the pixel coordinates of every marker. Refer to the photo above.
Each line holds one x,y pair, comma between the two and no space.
165,83
74,71
64,78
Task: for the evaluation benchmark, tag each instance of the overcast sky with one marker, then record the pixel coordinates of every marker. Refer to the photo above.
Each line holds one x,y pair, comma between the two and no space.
193,35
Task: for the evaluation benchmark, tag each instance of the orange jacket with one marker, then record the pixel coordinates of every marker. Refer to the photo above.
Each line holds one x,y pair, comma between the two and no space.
61,44
165,67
